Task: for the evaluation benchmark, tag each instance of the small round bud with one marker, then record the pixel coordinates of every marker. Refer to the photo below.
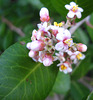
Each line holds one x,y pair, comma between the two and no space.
28,45
44,14
32,53
81,47
37,45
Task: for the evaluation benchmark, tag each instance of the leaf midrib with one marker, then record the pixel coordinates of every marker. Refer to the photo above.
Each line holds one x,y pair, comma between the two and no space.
23,79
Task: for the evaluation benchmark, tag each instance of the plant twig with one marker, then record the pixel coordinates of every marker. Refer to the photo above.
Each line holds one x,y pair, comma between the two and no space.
12,27
73,28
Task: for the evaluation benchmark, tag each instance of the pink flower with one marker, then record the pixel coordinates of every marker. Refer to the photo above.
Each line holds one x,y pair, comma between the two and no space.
37,45
81,47
74,10
64,40
44,15
65,67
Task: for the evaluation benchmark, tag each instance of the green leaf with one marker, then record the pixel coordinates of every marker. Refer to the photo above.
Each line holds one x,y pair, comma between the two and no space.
90,30
62,83
78,90
8,40
28,29
81,69
2,29
90,96
23,79
59,5
81,36
36,3
48,4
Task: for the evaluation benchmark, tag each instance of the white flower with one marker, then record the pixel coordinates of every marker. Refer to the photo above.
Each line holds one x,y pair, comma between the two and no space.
74,10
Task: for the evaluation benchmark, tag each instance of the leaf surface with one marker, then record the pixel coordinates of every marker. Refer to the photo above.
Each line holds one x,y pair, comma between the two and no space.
23,79
62,83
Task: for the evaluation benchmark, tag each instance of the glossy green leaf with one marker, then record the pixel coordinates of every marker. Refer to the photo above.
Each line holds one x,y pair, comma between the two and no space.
80,36
59,6
2,29
48,4
23,79
36,3
90,30
62,83
90,96
78,90
81,69
8,40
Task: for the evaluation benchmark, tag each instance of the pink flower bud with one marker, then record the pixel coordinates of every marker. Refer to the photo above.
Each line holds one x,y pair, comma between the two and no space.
33,53
37,45
47,60
81,47
28,45
44,14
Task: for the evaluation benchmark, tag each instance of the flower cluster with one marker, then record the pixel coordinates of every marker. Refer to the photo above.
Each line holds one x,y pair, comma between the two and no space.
54,42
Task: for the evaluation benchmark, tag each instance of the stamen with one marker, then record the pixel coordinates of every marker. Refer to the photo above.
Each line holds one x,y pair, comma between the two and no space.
63,67
79,56
58,24
75,8
68,41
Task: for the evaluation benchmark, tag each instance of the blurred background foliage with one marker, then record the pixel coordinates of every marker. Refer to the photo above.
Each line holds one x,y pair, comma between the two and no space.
23,15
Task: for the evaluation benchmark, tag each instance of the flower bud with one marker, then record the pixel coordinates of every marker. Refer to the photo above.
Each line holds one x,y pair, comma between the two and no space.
37,45
81,47
47,60
33,53
44,14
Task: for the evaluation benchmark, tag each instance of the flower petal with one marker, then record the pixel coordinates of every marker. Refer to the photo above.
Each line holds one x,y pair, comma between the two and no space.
72,4
78,14
71,14
69,69
80,9
60,30
59,46
65,71
59,36
67,33
44,11
68,7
